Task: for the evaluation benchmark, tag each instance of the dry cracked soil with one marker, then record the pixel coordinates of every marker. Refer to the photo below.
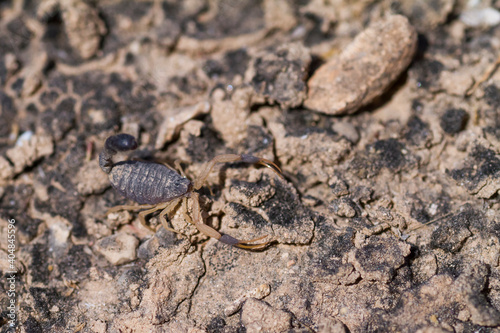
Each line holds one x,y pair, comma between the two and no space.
383,115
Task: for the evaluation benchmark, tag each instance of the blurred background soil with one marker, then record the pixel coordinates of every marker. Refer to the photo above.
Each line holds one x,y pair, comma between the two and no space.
383,115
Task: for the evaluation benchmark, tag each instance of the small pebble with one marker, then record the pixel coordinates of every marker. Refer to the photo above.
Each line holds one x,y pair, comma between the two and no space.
258,293
480,17
343,207
347,130
25,137
454,120
365,69
118,248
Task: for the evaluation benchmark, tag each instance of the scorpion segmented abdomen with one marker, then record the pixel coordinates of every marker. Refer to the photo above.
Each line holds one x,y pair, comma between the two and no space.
148,183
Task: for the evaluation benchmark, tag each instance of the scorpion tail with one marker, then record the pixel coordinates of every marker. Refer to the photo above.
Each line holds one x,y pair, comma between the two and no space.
226,239
257,160
114,144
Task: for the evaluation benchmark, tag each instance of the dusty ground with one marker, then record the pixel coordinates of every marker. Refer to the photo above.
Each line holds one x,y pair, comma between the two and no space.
389,216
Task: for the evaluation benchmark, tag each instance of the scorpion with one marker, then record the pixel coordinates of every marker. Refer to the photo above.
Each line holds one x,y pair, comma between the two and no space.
156,187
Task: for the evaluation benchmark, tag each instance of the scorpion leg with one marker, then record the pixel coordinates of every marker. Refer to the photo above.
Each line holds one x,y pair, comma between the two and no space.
185,211
198,183
179,168
144,213
209,231
127,207
132,207
169,208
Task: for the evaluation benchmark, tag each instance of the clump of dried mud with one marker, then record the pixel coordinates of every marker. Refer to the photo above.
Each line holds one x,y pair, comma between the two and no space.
388,217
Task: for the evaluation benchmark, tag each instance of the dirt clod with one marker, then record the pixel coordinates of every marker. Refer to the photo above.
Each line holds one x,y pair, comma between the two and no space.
378,258
257,316
454,120
29,148
280,75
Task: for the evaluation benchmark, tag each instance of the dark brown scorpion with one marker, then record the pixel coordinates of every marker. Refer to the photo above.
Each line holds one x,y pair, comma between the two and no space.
156,187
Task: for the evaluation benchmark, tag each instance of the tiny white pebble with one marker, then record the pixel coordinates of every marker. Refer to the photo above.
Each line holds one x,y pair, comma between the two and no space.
477,17
26,136
433,209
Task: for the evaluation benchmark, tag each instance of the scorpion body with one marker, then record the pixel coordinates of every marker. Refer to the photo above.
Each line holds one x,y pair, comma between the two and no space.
157,187
148,183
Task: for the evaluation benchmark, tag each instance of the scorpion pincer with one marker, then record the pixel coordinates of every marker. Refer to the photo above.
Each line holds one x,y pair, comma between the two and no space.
156,187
